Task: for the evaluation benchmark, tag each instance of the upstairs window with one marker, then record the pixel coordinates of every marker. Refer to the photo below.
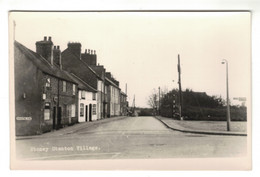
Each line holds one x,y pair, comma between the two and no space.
73,89
48,82
105,89
64,86
83,94
93,96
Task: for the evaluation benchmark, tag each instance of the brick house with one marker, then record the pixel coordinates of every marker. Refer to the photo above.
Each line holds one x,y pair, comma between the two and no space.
113,94
79,64
45,96
123,104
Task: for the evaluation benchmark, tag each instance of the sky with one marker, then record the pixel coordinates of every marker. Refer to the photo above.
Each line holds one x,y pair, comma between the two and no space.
141,48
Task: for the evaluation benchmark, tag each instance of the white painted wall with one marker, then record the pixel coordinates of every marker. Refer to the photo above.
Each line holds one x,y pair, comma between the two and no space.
87,101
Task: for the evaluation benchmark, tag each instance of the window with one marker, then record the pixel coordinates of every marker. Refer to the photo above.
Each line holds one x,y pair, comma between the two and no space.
83,94
64,86
105,89
73,110
99,86
93,96
94,109
48,82
73,89
81,109
47,111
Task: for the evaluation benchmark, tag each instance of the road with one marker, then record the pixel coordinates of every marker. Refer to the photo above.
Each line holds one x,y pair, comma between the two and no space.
128,138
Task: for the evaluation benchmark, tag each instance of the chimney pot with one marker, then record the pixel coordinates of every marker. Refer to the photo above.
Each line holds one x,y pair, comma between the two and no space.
54,47
58,47
94,52
45,38
86,50
49,38
91,52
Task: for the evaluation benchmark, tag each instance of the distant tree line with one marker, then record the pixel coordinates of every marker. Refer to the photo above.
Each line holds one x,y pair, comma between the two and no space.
196,106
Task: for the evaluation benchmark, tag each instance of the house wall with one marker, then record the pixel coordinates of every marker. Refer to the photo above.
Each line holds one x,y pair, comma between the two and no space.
27,96
86,102
66,100
114,102
123,105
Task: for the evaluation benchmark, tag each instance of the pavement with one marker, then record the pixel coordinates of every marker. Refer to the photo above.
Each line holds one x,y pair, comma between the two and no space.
190,127
70,129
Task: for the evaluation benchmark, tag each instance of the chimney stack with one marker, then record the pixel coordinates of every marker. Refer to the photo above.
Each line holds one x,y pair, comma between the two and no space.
45,49
89,58
75,48
57,56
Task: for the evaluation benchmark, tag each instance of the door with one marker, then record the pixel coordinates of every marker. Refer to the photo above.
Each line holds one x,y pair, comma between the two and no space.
59,118
86,113
54,117
90,112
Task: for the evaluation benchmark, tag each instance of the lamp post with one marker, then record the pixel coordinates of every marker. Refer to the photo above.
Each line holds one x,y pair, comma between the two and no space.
224,61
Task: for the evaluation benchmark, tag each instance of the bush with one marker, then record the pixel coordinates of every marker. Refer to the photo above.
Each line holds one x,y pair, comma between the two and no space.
214,114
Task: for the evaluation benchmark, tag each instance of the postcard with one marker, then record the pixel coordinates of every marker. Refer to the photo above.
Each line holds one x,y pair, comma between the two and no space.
130,90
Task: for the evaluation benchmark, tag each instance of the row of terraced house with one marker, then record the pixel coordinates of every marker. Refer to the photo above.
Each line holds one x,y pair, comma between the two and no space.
54,89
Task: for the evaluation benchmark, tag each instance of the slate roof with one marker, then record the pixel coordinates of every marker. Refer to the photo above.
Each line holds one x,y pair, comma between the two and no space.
82,84
81,65
98,69
42,64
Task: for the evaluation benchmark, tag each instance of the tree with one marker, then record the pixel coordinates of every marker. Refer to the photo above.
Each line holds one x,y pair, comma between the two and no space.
153,100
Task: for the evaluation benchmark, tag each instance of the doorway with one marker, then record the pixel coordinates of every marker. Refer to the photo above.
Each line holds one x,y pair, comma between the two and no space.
86,113
90,112
59,118
54,118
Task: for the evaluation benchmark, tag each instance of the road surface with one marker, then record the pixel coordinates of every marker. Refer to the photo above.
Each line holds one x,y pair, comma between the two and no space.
129,138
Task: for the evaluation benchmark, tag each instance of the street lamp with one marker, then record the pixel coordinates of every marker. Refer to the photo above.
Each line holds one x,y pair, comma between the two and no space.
224,61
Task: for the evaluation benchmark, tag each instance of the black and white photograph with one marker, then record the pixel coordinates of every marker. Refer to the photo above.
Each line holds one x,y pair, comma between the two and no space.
115,87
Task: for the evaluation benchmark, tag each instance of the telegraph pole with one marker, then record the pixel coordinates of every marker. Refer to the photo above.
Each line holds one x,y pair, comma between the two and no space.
179,82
